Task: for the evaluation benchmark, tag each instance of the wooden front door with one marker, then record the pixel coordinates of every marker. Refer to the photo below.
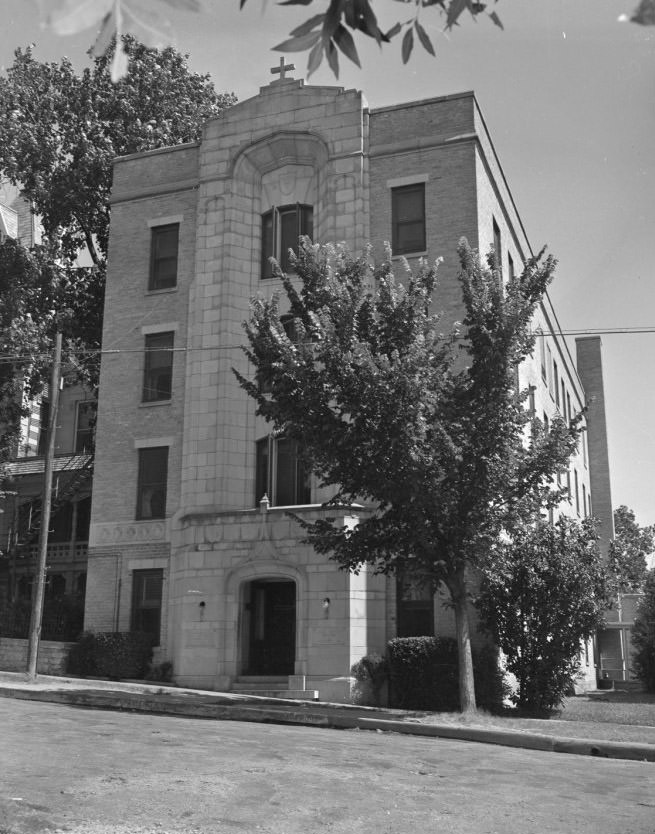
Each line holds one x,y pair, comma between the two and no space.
272,649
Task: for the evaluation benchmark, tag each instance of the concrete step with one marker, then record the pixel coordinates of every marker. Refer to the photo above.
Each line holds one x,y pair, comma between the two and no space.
270,686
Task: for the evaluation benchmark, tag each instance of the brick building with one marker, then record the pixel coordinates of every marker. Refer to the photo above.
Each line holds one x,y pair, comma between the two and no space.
180,544
21,498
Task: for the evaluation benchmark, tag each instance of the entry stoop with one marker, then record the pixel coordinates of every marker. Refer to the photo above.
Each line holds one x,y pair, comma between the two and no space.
272,686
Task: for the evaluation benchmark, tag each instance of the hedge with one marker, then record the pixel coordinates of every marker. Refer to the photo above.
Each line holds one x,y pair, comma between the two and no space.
423,674
111,654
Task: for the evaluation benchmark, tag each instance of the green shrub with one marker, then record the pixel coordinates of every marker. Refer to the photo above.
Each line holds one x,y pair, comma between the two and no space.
423,674
371,674
111,654
643,636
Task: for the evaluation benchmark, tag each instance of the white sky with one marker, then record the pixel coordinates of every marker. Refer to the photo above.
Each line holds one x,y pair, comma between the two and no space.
568,94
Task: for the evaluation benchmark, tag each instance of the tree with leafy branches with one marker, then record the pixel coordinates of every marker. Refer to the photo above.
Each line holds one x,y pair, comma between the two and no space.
324,34
59,135
629,549
643,635
426,428
544,592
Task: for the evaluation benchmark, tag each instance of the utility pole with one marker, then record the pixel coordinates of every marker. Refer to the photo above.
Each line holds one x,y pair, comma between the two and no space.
39,590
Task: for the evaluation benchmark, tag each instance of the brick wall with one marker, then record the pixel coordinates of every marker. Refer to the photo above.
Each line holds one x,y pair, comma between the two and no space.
51,659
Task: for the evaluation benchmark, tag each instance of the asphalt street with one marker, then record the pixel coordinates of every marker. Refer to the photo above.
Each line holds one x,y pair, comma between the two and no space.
86,771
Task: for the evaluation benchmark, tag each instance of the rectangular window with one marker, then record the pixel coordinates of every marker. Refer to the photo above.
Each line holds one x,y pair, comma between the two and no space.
569,414
44,419
163,256
563,400
281,473
511,274
281,228
414,607
542,354
549,369
532,408
408,219
84,427
556,382
584,499
577,492
146,602
152,483
158,367
498,251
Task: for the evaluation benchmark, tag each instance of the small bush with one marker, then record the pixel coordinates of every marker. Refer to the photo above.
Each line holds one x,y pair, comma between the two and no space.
371,674
424,674
111,654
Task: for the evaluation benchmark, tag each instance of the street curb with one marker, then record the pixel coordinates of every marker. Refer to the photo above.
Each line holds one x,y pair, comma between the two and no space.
310,714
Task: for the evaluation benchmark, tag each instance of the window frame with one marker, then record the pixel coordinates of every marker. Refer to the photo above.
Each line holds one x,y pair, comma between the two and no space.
273,243
269,474
397,192
81,433
151,351
141,604
143,485
155,280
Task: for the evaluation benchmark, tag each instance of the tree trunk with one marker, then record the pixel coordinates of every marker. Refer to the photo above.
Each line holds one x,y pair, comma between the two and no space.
466,682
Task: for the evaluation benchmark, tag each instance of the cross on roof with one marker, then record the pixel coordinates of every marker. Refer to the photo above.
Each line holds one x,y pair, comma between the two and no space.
282,69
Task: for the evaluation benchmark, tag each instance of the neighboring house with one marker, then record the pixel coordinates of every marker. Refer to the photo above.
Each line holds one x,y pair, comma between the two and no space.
615,649
21,499
182,542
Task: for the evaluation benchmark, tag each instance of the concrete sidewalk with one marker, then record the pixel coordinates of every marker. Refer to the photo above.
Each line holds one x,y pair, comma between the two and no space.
227,706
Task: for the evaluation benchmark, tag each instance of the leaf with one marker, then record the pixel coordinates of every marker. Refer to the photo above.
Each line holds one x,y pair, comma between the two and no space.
346,44
307,26
315,58
298,44
333,58
455,9
407,45
68,17
423,37
496,20
119,63
105,36
393,31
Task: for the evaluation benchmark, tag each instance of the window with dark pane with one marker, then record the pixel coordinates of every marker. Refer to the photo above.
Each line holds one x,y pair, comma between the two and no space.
151,483
281,228
146,602
414,607
281,473
84,429
408,219
158,367
163,257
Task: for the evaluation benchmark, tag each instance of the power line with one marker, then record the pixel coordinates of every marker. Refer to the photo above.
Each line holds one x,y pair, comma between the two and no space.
8,357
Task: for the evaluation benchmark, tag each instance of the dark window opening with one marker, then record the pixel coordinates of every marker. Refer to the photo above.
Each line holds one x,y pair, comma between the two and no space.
281,473
151,484
146,602
408,219
281,228
498,252
85,427
163,257
158,367
414,607
44,419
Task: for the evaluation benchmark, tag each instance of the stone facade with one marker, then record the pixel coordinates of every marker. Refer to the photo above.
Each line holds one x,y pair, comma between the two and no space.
228,572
